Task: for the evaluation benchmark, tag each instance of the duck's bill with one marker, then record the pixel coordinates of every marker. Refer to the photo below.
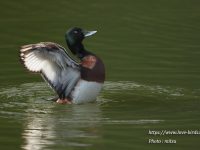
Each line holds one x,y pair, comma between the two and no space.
89,33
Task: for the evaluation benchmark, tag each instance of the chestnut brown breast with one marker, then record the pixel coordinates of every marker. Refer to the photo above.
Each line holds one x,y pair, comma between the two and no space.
92,69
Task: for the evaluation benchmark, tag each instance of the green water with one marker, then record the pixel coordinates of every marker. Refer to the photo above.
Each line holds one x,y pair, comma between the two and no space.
151,51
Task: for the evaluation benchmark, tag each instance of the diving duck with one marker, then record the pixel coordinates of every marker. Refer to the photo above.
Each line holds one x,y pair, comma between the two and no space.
74,82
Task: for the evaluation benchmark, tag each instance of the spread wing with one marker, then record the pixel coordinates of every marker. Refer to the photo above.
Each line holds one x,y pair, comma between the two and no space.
54,64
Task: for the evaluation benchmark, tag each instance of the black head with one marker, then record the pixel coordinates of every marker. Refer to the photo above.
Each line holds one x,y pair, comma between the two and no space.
74,38
74,35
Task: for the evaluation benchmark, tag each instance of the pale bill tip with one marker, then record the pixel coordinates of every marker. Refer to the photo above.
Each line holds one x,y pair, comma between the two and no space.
89,33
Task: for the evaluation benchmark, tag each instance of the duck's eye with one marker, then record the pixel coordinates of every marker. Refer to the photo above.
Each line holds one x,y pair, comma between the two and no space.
76,32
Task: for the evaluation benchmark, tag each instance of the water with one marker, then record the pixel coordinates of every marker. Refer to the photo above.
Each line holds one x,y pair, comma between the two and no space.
151,52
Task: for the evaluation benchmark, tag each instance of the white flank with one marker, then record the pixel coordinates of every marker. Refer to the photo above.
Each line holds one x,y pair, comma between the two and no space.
85,91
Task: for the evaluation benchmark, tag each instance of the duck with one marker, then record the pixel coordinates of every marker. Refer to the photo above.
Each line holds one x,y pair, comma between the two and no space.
74,81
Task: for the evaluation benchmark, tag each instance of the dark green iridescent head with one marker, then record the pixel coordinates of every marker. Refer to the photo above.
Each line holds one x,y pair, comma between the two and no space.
74,38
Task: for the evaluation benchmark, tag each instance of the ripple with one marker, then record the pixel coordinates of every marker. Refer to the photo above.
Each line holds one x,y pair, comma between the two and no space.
149,90
26,90
50,124
40,90
111,122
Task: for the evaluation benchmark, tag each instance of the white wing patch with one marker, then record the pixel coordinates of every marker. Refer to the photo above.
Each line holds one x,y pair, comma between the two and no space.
32,62
50,70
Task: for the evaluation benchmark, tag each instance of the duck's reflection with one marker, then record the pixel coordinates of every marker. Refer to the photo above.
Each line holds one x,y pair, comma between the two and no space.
61,126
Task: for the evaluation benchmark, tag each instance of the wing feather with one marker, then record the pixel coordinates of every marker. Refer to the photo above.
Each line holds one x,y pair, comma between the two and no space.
54,63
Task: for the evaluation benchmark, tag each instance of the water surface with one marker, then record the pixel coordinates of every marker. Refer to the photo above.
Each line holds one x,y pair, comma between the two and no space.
151,53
